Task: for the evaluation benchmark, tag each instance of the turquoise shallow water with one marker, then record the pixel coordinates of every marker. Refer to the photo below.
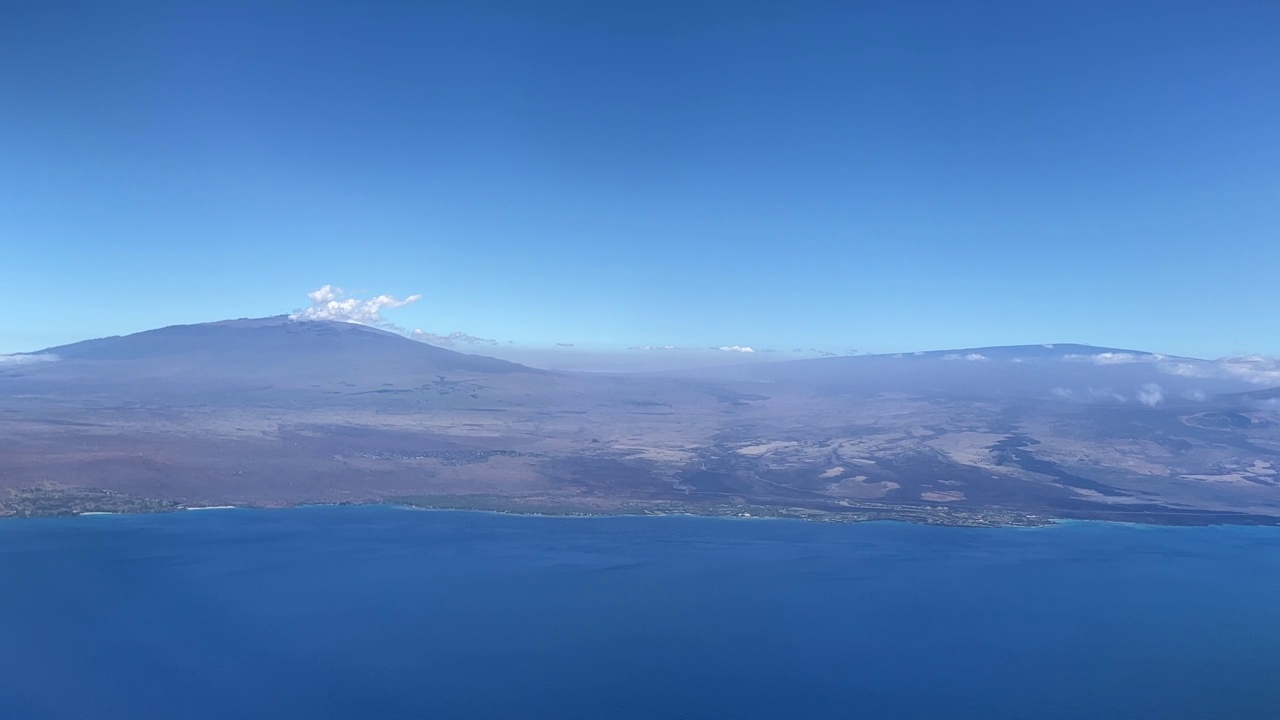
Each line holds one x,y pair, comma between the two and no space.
389,613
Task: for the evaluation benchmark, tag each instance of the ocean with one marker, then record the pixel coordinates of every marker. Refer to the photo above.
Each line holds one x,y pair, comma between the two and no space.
386,613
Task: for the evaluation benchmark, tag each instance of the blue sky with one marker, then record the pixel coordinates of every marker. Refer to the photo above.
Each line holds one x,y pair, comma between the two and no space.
878,176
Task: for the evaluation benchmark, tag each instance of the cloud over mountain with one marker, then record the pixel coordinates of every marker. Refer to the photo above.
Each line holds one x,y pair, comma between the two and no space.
1113,358
332,303
450,340
27,359
1256,369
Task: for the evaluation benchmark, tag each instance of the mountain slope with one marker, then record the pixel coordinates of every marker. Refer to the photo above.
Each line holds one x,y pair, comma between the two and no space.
279,344
268,361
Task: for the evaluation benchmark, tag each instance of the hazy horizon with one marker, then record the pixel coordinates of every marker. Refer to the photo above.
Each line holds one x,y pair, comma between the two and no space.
330,303
333,305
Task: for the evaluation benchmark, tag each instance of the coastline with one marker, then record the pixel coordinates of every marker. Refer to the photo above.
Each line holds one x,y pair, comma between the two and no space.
63,504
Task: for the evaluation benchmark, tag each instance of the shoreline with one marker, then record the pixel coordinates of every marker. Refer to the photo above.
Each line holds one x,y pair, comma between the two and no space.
910,515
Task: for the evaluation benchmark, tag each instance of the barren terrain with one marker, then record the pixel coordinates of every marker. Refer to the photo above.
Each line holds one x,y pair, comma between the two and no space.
270,413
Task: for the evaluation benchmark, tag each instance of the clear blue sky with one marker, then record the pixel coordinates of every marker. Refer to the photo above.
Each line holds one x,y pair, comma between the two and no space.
880,176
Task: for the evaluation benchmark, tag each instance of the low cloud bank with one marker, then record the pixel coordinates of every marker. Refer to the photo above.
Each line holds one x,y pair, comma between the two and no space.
1113,358
1149,394
1255,369
450,340
25,359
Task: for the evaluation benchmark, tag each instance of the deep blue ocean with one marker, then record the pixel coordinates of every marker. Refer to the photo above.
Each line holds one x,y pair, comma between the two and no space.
388,613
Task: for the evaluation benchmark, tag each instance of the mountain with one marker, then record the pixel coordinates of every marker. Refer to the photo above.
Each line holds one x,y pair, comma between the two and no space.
283,346
266,353
276,412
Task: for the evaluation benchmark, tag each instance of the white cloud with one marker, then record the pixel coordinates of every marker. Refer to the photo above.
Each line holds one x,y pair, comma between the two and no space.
735,348
1185,369
1114,358
564,344
24,359
971,357
1106,394
451,339
1252,368
332,303
1151,395
1197,395
1255,369
653,347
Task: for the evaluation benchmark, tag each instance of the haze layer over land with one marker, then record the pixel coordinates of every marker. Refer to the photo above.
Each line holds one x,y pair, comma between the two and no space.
281,411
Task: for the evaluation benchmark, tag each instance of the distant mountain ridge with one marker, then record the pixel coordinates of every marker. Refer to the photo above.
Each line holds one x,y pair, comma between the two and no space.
280,352
1048,351
280,339
1064,371
281,333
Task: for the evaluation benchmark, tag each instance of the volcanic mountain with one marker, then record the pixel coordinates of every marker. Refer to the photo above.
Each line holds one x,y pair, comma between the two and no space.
275,352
